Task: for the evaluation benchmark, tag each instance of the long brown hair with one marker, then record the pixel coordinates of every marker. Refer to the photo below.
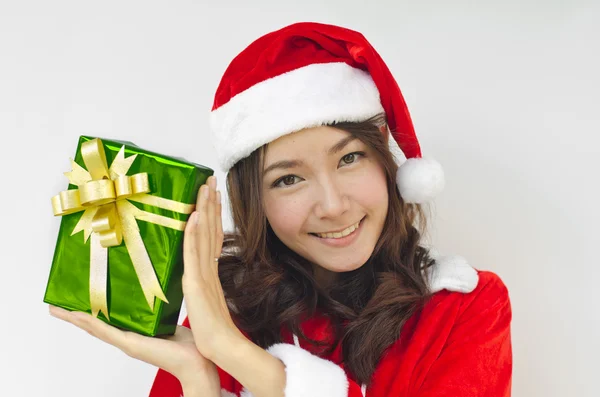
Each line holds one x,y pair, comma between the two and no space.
268,286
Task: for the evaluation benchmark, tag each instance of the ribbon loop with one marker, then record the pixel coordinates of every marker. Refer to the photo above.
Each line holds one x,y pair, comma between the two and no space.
111,238
140,183
95,159
104,219
66,202
97,192
123,186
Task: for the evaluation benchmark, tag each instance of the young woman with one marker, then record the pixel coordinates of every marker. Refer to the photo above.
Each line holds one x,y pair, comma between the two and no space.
325,288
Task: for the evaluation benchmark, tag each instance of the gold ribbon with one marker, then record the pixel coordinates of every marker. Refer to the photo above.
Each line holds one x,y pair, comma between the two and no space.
109,218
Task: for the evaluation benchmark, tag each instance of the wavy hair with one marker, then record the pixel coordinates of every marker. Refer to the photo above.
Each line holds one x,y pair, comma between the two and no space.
268,286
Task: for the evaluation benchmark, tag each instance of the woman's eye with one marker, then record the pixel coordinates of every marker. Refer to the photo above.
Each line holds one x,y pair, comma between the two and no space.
288,178
350,158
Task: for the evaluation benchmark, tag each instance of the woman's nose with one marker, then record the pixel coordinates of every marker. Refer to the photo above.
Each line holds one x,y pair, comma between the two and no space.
332,201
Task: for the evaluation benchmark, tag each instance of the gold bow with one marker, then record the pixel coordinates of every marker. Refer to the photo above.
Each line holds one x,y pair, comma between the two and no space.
104,194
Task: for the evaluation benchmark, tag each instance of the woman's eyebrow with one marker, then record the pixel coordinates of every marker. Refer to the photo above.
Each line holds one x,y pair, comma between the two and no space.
340,145
285,164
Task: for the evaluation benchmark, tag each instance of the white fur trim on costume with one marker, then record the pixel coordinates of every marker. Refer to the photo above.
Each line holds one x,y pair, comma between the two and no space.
451,273
307,374
310,96
420,179
224,393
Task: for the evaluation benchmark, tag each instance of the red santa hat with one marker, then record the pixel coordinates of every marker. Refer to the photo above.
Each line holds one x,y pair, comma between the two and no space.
311,74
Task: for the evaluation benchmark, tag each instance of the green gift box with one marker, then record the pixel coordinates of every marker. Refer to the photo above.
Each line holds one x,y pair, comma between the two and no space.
119,252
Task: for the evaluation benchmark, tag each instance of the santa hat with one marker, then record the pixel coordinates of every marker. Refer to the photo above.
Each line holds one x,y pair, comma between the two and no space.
312,74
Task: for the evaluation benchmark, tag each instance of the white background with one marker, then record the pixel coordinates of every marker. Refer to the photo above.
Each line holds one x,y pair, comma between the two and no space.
503,93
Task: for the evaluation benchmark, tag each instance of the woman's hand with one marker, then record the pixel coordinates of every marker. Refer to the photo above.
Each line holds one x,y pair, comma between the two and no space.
176,354
186,355
207,309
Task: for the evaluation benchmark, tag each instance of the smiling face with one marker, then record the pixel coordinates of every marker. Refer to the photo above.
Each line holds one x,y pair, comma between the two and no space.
336,181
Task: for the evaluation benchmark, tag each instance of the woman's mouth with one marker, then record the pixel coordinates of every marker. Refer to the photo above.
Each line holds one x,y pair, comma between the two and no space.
338,239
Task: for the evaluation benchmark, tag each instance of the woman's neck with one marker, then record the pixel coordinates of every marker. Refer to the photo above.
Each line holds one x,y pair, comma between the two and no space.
323,276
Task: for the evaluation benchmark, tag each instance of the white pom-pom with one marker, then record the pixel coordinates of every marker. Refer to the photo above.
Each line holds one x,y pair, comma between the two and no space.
420,180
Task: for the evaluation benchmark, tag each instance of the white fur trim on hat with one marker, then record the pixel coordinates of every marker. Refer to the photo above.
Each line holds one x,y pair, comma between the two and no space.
419,180
310,96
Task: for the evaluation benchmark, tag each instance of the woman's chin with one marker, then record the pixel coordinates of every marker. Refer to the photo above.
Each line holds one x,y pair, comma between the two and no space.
341,267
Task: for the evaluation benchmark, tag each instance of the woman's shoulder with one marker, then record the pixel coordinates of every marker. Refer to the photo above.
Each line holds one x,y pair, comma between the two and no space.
489,284
452,277
457,340
450,316
490,289
488,296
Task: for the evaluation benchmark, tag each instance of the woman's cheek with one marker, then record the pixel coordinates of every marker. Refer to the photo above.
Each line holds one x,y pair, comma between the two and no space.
286,216
373,188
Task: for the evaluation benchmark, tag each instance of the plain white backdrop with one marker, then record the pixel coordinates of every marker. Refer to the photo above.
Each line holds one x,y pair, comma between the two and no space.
505,94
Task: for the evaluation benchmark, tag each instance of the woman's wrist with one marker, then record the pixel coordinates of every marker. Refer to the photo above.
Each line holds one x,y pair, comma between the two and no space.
201,383
258,371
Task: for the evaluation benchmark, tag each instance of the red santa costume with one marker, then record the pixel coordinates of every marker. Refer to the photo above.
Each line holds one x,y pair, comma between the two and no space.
311,74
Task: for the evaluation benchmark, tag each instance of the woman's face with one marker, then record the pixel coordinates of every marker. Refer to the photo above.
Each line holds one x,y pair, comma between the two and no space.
325,191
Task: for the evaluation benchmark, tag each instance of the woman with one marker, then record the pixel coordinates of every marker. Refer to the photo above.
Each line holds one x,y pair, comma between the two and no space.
325,287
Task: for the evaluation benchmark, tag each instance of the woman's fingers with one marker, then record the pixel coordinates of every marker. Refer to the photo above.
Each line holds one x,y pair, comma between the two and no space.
154,351
203,244
195,241
211,223
190,250
219,246
202,235
218,228
93,326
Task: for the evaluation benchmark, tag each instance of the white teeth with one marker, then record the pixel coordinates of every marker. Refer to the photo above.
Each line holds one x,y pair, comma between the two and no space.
343,233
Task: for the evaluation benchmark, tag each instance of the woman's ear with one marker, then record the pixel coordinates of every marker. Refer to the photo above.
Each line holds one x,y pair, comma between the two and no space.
384,130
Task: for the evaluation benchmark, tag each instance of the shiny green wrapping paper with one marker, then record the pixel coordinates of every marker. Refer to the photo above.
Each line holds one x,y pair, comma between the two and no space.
68,283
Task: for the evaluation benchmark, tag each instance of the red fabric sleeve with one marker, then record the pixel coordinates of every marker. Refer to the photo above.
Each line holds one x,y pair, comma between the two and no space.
167,385
477,357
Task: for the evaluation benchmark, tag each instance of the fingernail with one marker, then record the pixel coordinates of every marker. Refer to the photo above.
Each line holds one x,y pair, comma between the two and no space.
205,191
218,196
213,181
